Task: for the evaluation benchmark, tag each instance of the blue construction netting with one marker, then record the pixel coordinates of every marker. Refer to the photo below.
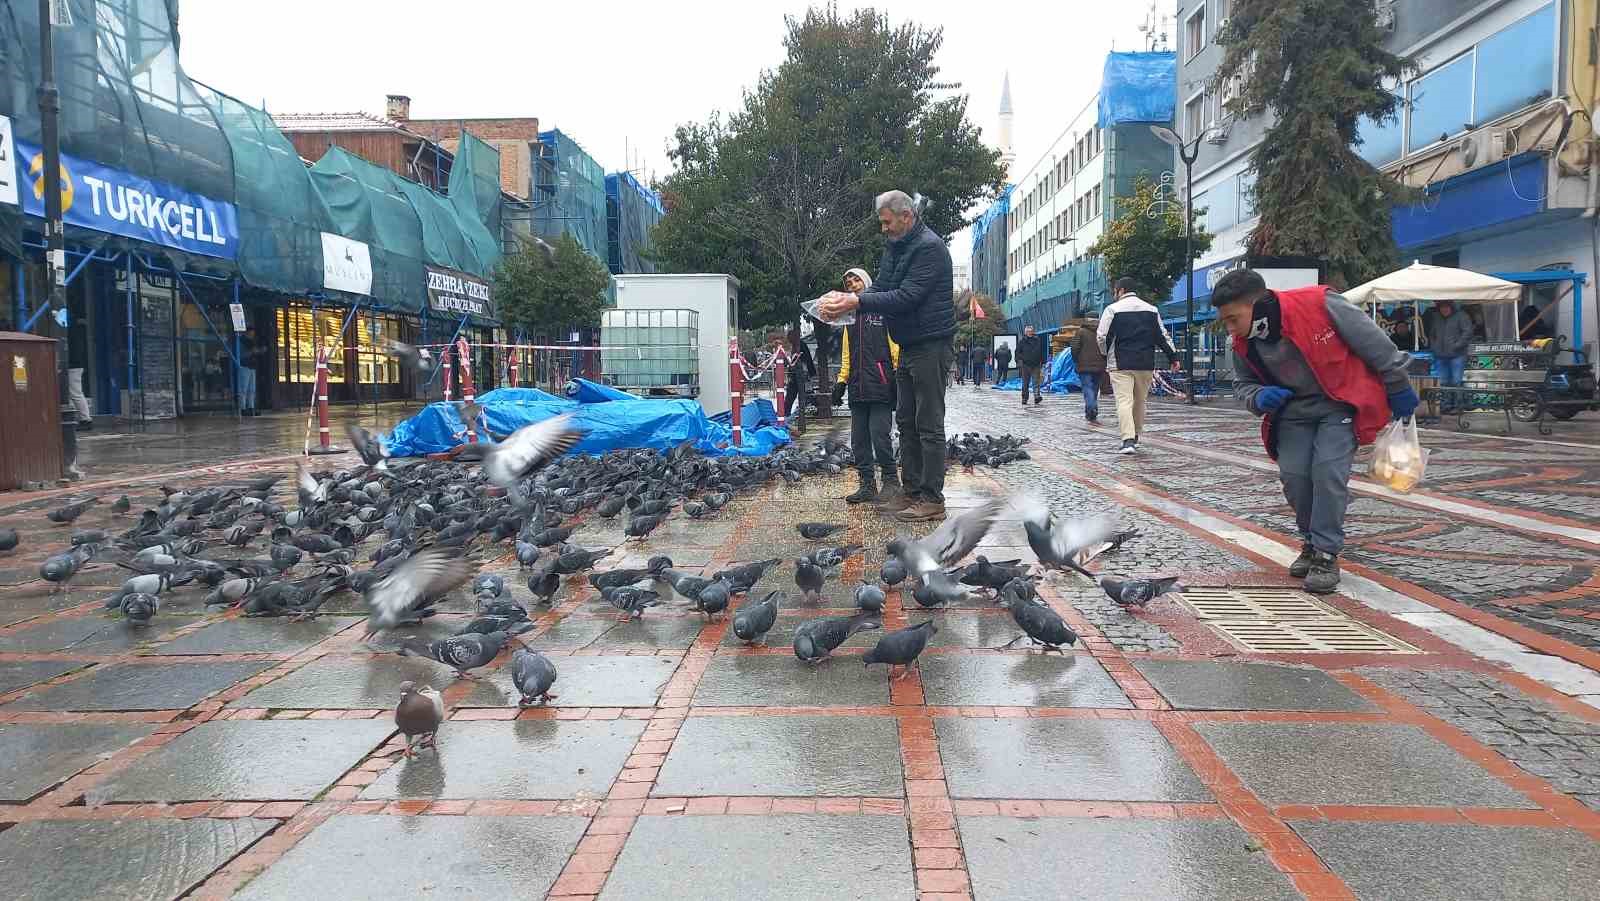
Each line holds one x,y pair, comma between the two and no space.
996,211
1138,87
632,210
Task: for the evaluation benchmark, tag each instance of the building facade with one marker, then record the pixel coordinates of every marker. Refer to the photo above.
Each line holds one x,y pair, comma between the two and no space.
632,210
1493,129
989,261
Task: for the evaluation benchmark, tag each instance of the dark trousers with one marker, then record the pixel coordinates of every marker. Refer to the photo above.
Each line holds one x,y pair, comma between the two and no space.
1030,376
1314,457
920,381
1001,371
794,389
869,439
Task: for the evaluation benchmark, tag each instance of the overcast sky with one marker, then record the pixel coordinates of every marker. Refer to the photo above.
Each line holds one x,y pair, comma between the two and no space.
622,74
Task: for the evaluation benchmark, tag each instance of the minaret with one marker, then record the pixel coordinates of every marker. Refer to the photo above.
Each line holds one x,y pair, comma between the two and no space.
1007,154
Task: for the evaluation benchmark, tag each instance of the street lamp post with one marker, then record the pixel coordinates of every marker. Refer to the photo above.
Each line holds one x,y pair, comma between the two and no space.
54,232
1187,153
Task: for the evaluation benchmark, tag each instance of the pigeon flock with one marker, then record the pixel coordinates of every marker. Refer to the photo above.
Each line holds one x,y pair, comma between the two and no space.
404,534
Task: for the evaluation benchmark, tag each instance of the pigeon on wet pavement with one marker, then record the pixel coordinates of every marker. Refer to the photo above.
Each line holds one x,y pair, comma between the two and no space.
808,577
1039,623
752,622
418,715
630,600
121,505
829,557
713,598
1137,592
818,531
893,572
576,560
901,647
9,540
533,674
65,515
483,625
953,540
744,577
139,608
938,589
59,569
815,639
464,652
869,597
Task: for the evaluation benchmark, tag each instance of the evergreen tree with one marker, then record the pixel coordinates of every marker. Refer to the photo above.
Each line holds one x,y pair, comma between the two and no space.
1319,66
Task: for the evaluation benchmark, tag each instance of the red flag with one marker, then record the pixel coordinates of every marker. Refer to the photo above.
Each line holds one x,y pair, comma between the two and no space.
977,309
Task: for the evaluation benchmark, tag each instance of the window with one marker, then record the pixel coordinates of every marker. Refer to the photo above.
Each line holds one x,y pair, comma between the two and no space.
1194,33
1441,102
1222,206
1247,195
1222,13
1380,141
1521,59
1097,200
1194,116
1097,133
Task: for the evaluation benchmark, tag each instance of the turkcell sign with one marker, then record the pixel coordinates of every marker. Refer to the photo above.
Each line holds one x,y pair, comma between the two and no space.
120,203
457,293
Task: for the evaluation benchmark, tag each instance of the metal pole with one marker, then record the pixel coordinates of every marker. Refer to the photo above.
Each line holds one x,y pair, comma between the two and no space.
54,233
238,361
1188,265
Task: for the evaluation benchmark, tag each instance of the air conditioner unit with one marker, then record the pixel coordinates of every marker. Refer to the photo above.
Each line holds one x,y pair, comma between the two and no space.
1217,134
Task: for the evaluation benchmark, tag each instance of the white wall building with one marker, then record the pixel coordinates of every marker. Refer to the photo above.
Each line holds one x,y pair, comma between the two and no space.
1057,204
716,298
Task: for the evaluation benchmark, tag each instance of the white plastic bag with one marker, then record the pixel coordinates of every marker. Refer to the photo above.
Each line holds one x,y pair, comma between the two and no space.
1399,460
812,308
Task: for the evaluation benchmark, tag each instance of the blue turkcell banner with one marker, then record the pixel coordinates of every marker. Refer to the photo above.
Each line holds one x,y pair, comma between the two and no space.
120,203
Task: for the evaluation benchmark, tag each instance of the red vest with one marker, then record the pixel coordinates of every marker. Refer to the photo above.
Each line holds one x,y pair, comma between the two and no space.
1343,376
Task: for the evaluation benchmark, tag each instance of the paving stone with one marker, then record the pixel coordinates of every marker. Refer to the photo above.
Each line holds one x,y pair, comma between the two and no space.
782,634
1063,759
1018,680
23,604
88,635
796,857
1353,763
1406,861
149,859
973,630
662,633
784,755
586,681
352,682
517,759
15,674
141,686
782,680
241,635
34,757
1201,685
570,633
247,760
1035,859
383,858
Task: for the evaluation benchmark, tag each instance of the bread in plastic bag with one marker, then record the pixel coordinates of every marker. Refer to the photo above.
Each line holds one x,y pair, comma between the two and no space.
812,308
1399,460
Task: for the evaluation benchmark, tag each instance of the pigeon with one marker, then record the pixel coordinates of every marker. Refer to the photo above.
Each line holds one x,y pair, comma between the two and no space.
610,507
374,450
139,608
753,621
71,512
1058,541
9,540
954,539
464,652
616,578
231,592
630,600
121,505
551,537
421,578
901,647
147,583
938,589
60,568
311,491
815,639
509,609
713,598
417,358
577,560
893,572
817,531
808,577
642,526
696,510
869,598
418,715
1038,622
529,449
527,554
490,584
1137,592
829,557
533,674
483,625
744,577
993,576
545,581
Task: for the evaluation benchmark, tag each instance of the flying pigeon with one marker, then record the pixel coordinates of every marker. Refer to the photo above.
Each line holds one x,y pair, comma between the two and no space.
1058,541
954,539
418,715
429,574
1137,592
417,358
817,531
374,450
528,449
533,674
464,652
815,639
901,647
1038,622
752,622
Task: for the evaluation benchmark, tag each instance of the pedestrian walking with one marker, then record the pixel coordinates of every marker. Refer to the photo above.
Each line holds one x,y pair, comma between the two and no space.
1031,354
1449,333
1090,361
912,293
1002,362
867,360
249,353
1324,378
963,361
1130,332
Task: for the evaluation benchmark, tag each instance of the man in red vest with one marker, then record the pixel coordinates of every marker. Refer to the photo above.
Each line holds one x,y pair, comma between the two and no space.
1324,378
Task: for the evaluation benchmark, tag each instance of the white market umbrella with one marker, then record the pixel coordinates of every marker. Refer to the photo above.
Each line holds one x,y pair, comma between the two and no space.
1420,282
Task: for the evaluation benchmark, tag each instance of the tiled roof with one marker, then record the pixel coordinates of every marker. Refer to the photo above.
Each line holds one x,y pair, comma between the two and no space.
336,122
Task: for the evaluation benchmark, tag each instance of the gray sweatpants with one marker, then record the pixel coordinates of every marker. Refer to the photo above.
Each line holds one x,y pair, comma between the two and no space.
1314,457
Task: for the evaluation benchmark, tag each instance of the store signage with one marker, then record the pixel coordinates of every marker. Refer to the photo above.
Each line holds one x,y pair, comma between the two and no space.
237,311
346,265
8,165
458,293
121,203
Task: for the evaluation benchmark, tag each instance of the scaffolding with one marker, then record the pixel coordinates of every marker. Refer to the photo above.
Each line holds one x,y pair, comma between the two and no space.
569,193
632,210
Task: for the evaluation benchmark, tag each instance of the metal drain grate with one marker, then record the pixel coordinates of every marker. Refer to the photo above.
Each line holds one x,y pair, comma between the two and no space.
1255,603
1330,634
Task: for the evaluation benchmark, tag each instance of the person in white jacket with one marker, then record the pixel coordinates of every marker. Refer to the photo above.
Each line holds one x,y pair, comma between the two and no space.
1130,332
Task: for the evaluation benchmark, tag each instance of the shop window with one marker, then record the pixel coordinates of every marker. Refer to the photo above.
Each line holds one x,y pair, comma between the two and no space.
376,367
1515,66
1441,103
300,331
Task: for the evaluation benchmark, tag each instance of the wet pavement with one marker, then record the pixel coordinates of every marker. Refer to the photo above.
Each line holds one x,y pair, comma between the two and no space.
210,755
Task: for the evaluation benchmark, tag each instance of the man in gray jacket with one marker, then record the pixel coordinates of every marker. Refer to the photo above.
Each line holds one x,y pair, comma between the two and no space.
1449,333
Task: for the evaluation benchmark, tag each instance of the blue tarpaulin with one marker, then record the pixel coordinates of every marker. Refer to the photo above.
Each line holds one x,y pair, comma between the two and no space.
1061,377
609,425
586,392
1138,87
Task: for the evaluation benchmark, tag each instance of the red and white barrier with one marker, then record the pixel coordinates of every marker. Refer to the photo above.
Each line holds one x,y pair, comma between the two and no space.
780,379
444,372
736,390
469,394
319,404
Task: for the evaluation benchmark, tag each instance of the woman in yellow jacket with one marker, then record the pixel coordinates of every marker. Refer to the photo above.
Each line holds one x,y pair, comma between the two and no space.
866,369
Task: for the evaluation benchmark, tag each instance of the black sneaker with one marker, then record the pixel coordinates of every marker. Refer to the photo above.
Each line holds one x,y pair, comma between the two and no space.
1128,446
867,493
1323,577
1302,563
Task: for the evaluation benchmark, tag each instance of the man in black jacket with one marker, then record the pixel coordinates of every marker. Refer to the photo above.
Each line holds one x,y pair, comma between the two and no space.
912,292
1031,355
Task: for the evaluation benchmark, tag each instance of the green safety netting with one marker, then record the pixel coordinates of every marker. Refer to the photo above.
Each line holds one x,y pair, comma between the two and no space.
631,211
569,193
360,203
475,194
443,243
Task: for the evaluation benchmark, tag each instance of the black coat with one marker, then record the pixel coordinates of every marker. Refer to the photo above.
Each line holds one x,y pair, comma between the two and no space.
871,376
1030,351
913,289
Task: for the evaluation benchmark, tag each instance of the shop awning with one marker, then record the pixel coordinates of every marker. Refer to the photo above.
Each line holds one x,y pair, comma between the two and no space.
1421,282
